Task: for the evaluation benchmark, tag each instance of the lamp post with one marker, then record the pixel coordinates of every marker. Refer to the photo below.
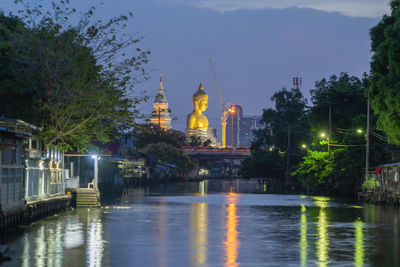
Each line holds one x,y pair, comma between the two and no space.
367,144
288,156
232,111
96,171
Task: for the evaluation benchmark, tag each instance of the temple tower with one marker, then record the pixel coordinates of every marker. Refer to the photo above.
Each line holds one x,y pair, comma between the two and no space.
160,114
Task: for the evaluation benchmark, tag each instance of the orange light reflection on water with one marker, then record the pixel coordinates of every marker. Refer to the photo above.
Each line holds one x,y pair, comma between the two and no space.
232,241
199,233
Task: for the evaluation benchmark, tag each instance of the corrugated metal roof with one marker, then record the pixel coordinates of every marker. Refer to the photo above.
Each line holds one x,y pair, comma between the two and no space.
390,164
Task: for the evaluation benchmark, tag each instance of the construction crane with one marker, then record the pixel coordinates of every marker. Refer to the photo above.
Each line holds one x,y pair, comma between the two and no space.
225,108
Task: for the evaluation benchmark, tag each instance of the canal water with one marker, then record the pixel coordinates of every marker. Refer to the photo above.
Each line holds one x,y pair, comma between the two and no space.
213,223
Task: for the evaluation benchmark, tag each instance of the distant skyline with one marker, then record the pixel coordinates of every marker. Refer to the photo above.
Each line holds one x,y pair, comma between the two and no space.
257,47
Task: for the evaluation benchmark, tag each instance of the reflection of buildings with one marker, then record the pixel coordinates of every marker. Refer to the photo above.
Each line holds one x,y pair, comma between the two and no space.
243,127
199,233
68,241
160,115
161,236
232,241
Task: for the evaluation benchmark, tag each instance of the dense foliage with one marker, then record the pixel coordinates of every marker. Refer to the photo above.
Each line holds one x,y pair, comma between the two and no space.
290,112
313,170
270,145
147,134
384,90
74,81
342,172
165,144
263,163
171,154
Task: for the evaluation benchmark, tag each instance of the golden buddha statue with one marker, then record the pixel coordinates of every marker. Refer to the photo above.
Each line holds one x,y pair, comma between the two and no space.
196,120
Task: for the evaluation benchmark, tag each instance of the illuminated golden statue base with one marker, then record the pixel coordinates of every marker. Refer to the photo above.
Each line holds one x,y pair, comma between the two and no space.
196,122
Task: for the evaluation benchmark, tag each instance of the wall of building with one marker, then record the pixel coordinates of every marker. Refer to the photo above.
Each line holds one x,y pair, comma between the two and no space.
243,127
11,176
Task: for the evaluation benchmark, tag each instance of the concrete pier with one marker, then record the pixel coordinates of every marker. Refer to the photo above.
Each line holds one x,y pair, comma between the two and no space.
33,210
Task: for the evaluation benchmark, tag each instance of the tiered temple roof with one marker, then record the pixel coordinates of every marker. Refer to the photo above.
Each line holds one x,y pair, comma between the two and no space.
160,115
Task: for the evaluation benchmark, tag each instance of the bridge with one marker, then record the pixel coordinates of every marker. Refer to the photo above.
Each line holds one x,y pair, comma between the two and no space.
216,162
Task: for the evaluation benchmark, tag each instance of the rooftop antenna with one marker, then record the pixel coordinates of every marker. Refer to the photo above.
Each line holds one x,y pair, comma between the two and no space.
297,81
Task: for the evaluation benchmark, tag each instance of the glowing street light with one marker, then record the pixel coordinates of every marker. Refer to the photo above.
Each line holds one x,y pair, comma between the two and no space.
323,135
304,146
359,131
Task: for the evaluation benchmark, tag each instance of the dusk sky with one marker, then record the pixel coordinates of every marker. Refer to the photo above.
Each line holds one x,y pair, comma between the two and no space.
257,46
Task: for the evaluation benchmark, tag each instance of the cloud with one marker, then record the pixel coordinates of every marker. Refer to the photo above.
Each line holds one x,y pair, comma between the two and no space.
353,8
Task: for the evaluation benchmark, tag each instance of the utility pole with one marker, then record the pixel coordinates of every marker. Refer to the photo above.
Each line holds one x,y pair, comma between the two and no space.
367,145
96,171
288,156
330,129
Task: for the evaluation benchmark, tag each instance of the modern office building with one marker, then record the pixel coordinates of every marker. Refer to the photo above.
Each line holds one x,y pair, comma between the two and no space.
240,127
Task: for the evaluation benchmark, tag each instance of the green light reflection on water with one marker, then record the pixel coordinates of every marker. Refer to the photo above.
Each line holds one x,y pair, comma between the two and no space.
358,243
303,236
322,242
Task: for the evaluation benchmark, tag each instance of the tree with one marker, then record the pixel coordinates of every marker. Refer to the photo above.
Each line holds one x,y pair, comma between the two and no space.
384,89
147,134
75,81
315,172
345,96
171,154
342,172
263,163
290,111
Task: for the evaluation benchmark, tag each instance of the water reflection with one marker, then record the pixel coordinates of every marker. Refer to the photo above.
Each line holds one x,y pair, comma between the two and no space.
199,233
203,187
359,244
47,247
193,226
232,241
303,236
160,235
95,243
322,243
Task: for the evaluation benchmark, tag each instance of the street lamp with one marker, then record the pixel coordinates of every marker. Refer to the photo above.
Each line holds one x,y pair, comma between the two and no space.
232,111
304,146
96,170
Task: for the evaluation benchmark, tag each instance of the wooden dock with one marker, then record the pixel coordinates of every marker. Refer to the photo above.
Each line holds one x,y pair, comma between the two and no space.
87,197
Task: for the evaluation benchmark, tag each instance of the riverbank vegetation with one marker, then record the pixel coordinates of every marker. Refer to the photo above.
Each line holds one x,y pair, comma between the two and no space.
297,133
165,144
70,73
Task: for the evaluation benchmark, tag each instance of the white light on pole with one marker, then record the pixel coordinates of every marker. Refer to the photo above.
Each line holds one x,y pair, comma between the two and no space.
96,170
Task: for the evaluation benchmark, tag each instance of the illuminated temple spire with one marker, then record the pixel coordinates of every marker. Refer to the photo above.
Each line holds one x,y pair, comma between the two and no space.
160,114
